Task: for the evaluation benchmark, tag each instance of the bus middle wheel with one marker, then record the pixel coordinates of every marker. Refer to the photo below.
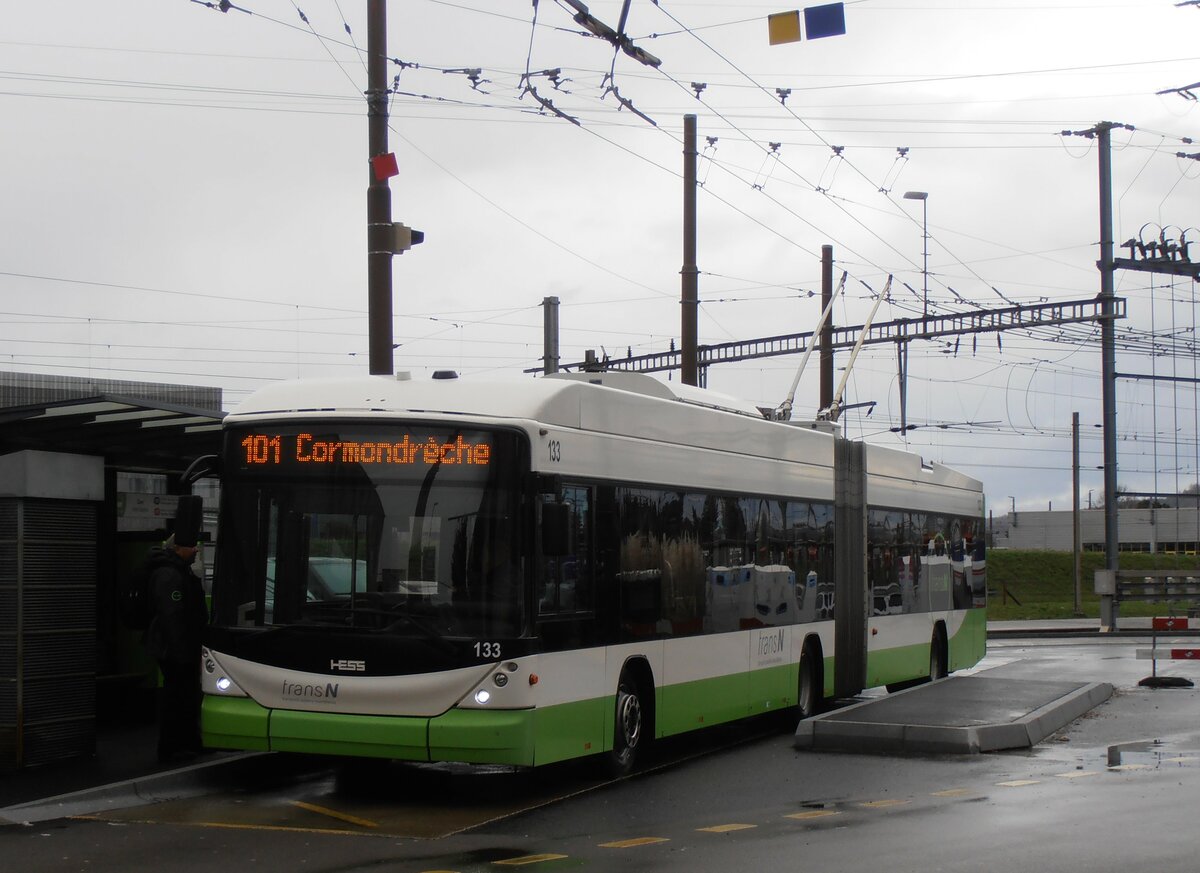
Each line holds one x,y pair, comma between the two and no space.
937,657
628,729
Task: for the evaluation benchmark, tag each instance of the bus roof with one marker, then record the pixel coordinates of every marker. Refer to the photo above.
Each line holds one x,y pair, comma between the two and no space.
546,399
632,404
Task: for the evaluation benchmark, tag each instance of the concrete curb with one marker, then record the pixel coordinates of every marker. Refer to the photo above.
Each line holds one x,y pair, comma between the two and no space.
1042,722
191,781
839,731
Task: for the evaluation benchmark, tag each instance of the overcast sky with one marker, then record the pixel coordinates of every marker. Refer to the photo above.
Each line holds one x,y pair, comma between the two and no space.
184,201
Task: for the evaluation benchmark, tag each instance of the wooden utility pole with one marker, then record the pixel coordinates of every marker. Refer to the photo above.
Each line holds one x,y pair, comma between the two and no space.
1108,346
549,335
380,235
690,297
826,350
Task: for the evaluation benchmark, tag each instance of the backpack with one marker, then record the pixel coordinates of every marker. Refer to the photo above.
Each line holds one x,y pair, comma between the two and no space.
134,599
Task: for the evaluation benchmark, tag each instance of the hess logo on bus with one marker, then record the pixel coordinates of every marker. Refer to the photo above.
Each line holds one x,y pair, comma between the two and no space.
347,666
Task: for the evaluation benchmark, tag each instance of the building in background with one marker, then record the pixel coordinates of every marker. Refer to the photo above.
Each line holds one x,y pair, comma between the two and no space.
1161,530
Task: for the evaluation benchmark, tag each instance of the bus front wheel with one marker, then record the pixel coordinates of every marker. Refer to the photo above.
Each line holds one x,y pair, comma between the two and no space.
629,727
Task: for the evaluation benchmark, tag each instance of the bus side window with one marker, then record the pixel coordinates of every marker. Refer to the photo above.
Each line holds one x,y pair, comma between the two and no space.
566,579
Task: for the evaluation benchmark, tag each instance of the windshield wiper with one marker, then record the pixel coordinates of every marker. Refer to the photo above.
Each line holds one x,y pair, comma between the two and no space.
355,611
344,610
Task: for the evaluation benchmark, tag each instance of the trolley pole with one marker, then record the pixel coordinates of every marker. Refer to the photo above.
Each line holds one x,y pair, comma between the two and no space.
380,246
690,302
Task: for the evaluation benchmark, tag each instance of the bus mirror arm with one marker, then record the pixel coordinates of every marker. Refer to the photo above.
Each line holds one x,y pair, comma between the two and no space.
205,465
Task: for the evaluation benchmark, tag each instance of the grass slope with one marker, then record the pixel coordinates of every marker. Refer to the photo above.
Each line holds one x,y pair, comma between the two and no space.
1044,583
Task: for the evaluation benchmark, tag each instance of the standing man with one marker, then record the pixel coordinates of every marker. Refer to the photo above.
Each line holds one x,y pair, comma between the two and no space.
173,638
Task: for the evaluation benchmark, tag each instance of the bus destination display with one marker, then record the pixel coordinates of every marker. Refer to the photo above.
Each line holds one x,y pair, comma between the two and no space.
276,450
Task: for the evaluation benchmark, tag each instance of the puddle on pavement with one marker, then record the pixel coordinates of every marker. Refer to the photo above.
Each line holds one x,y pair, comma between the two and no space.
1147,755
1157,754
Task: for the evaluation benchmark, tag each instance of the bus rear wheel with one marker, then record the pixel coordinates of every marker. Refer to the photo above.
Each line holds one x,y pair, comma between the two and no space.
628,729
809,687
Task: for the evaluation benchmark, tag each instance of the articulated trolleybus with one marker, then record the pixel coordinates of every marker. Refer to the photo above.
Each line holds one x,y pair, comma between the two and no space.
529,571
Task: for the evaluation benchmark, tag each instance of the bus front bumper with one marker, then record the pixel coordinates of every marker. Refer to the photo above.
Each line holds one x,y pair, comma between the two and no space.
502,736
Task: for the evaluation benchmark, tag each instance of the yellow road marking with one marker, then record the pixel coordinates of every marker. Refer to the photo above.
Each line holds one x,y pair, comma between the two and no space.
883,804
952,792
726,828
333,813
812,813
530,859
1180,760
636,841
1077,774
1130,767
1019,783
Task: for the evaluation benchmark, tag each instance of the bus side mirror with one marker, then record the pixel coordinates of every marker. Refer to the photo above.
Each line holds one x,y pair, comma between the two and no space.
556,529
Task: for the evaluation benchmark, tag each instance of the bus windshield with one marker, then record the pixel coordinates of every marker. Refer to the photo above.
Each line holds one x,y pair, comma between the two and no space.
387,528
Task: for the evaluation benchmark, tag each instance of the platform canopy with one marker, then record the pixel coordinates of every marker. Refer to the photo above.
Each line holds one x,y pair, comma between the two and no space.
131,433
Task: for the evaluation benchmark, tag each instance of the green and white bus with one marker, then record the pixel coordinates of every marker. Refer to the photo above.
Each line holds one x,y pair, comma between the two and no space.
522,572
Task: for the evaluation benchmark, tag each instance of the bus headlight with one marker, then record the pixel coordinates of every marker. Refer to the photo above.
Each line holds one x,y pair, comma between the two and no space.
213,678
501,686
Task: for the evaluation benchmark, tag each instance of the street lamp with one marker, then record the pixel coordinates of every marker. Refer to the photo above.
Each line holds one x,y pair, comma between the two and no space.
923,196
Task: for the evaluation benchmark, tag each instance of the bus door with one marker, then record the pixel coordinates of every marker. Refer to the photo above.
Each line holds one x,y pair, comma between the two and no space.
850,562
572,708
565,583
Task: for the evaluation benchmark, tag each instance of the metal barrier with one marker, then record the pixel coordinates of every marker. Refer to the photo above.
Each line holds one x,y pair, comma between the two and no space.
1145,586
1168,653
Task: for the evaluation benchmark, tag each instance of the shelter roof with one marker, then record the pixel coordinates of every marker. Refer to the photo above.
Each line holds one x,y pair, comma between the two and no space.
131,433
